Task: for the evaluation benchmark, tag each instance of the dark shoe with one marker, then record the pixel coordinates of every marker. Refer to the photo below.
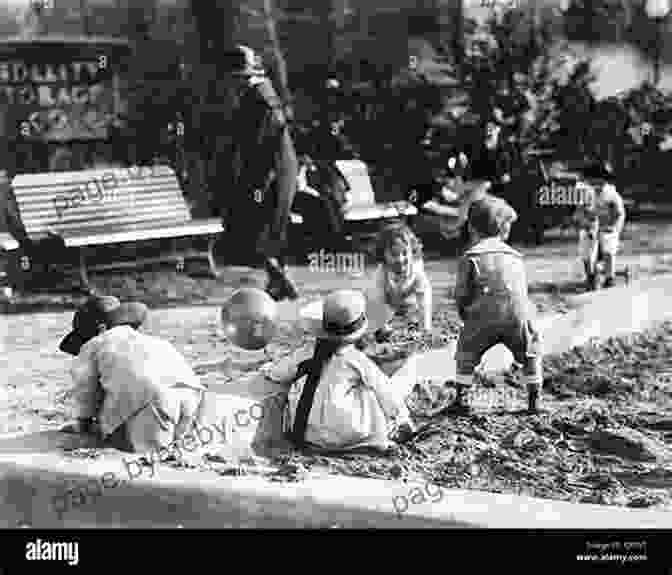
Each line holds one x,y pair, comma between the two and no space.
459,405
457,408
279,286
404,433
609,283
533,400
383,335
591,274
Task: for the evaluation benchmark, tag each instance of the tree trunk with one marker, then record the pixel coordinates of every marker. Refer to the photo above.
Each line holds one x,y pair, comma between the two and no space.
458,38
280,64
206,138
588,12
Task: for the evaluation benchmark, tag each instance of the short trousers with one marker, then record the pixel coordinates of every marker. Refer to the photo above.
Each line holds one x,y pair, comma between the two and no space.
522,339
590,244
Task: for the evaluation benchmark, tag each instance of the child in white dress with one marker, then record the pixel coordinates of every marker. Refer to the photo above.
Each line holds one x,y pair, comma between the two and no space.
341,400
401,285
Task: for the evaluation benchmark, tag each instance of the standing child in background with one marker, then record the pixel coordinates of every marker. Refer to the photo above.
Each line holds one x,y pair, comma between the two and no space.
601,223
492,299
402,286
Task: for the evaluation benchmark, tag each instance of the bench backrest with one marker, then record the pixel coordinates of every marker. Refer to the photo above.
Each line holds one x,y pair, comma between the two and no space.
100,201
357,176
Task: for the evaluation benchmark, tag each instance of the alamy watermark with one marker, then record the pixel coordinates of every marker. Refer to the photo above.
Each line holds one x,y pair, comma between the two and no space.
499,4
565,195
351,263
40,550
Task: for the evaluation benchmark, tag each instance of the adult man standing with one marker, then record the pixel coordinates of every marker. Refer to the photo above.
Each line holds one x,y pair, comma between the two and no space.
265,170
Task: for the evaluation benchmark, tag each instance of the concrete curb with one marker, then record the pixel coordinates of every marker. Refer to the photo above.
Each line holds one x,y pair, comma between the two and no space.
32,484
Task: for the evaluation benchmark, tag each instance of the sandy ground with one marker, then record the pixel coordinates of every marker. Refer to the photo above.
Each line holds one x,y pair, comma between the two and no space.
589,402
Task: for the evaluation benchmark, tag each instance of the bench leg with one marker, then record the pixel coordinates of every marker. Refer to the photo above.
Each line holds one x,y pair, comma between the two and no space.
179,259
84,284
213,270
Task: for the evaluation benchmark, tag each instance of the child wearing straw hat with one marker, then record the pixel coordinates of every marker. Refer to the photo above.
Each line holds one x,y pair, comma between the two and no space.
134,390
492,299
340,399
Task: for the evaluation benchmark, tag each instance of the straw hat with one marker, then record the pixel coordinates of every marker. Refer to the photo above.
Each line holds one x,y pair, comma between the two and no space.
97,311
344,317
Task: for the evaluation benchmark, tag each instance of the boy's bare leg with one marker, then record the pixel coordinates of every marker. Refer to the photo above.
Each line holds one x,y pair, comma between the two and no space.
534,379
588,250
591,274
609,269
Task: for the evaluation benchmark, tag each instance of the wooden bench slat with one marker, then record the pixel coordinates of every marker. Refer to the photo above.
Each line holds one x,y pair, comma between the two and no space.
59,207
38,226
128,195
190,229
131,205
25,182
379,211
68,178
110,217
48,195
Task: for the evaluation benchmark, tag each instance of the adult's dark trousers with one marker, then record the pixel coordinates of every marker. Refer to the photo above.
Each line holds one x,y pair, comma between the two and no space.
258,221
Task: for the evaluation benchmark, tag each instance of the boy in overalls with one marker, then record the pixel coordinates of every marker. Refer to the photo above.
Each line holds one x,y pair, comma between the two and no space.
492,299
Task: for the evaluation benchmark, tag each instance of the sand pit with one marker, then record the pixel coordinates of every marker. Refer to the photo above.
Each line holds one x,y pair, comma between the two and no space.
592,444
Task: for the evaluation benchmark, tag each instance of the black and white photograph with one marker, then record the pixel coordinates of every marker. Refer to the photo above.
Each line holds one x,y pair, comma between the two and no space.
336,264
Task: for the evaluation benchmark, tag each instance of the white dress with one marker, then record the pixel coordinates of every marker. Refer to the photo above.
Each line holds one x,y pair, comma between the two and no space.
145,382
355,404
411,296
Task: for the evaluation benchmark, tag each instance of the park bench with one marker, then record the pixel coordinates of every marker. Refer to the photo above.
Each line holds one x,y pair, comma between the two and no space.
117,208
363,206
363,216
